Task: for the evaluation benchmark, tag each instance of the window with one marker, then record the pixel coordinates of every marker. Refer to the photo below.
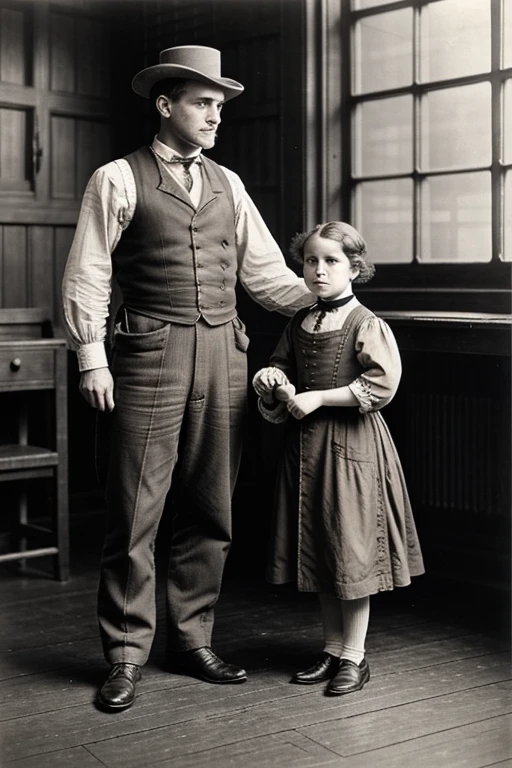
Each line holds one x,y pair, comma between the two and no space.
430,98
425,136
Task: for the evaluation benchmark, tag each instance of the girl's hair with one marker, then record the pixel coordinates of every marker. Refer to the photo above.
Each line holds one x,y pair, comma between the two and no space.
351,242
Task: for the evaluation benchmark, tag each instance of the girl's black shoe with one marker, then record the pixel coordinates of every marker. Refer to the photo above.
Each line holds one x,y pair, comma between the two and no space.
351,677
324,669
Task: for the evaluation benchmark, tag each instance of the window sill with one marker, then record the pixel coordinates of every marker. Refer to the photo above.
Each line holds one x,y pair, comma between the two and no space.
479,333
466,319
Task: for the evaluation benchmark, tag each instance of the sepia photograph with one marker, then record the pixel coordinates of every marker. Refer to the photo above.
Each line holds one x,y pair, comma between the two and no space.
255,383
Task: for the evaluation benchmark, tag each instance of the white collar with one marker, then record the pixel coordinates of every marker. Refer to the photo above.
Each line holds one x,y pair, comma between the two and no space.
167,152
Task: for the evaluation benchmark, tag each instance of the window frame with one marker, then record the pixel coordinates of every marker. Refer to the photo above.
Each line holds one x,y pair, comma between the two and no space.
459,286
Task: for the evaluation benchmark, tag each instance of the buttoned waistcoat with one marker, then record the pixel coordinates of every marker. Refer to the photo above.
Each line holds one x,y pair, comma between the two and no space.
175,262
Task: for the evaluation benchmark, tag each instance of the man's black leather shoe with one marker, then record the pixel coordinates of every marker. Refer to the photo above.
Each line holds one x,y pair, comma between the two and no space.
118,692
324,669
204,664
351,677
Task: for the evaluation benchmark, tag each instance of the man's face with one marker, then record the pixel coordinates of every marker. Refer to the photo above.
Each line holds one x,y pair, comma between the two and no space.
191,122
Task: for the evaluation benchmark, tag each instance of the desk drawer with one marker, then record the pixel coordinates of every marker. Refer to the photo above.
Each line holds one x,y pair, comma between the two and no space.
22,368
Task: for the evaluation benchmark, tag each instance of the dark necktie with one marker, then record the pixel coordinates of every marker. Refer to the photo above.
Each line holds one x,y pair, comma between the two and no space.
185,163
183,167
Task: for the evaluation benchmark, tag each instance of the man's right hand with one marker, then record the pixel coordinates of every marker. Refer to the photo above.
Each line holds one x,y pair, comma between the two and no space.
97,387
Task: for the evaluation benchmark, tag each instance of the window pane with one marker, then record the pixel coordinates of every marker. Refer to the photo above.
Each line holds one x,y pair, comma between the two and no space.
383,215
507,34
455,39
456,218
507,122
507,219
446,115
383,137
382,51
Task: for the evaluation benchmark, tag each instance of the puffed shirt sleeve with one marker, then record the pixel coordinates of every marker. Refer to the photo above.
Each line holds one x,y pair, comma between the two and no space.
262,269
106,210
378,354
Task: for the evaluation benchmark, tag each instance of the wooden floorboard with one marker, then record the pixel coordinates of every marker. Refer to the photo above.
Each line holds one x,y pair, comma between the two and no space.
77,757
440,693
482,743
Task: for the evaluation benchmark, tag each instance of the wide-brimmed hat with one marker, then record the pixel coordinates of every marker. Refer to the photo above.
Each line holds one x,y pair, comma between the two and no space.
192,62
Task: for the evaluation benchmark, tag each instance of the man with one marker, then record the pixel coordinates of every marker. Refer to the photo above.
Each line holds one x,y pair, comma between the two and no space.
176,236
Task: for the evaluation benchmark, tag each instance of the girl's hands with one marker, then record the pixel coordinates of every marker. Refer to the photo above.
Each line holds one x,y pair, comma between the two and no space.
272,384
307,402
284,392
267,380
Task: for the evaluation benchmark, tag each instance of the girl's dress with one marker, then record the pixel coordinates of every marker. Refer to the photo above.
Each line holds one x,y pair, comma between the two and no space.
343,523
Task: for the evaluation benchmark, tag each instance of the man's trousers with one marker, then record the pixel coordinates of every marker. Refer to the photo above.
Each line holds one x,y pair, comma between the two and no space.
179,390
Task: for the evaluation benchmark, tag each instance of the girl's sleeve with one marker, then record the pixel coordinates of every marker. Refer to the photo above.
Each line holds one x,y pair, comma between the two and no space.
378,354
276,415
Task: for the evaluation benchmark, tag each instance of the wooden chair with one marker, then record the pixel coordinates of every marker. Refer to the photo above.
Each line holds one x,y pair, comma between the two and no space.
33,364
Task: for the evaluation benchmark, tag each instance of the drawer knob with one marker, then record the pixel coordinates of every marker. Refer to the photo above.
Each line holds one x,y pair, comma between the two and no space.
15,364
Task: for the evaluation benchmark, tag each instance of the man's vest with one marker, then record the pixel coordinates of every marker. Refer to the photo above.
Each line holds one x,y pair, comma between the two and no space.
174,262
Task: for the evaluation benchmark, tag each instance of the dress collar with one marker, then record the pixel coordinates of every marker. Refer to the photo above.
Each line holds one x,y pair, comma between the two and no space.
329,306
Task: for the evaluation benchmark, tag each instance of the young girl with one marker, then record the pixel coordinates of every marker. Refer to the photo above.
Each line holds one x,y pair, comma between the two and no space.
343,524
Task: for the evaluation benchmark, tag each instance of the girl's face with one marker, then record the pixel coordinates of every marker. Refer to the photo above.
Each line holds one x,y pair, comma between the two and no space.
327,271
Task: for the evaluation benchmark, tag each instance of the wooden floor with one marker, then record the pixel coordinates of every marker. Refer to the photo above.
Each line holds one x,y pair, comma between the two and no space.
439,695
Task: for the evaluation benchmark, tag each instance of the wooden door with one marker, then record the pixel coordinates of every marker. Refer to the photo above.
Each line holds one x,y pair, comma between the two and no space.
55,129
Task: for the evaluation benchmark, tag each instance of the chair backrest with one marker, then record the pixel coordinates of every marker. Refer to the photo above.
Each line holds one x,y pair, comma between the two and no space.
25,323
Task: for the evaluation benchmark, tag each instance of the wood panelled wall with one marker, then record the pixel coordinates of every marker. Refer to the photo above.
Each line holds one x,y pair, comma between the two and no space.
55,129
65,74
32,260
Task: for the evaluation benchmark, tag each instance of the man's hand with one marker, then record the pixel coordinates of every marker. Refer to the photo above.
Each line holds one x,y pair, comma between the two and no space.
305,403
97,387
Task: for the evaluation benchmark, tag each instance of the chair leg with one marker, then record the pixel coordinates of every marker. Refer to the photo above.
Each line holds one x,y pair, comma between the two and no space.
62,528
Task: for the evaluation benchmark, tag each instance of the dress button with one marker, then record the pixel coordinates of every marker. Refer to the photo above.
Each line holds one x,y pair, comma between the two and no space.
223,286
221,303
198,247
194,229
